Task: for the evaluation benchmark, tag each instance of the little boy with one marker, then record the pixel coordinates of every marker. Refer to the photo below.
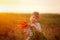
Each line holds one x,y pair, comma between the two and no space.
34,19
34,23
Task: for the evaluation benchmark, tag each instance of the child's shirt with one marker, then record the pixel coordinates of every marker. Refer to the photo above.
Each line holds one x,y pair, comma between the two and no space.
36,25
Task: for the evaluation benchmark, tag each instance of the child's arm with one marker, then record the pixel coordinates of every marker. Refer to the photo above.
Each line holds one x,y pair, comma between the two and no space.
38,27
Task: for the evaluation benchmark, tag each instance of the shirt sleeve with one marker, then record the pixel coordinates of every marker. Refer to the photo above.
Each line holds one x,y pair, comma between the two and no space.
37,25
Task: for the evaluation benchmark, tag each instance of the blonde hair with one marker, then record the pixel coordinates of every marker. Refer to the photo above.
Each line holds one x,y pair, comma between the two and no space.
36,13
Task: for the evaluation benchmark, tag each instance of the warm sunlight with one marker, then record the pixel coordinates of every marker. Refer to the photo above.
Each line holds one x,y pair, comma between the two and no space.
43,6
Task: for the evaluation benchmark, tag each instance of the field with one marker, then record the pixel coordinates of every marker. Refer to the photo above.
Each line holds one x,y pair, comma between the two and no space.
50,24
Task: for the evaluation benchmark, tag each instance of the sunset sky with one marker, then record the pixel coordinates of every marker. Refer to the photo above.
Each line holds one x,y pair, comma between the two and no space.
43,6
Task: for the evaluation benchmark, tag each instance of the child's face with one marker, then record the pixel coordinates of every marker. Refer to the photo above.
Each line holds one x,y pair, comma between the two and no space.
36,16
35,19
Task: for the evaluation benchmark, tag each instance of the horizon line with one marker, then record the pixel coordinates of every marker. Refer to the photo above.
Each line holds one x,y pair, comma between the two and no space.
31,12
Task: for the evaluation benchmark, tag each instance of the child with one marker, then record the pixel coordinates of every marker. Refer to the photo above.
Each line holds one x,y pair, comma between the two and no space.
34,23
34,19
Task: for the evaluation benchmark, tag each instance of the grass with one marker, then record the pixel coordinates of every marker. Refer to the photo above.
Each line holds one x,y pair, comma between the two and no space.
50,24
